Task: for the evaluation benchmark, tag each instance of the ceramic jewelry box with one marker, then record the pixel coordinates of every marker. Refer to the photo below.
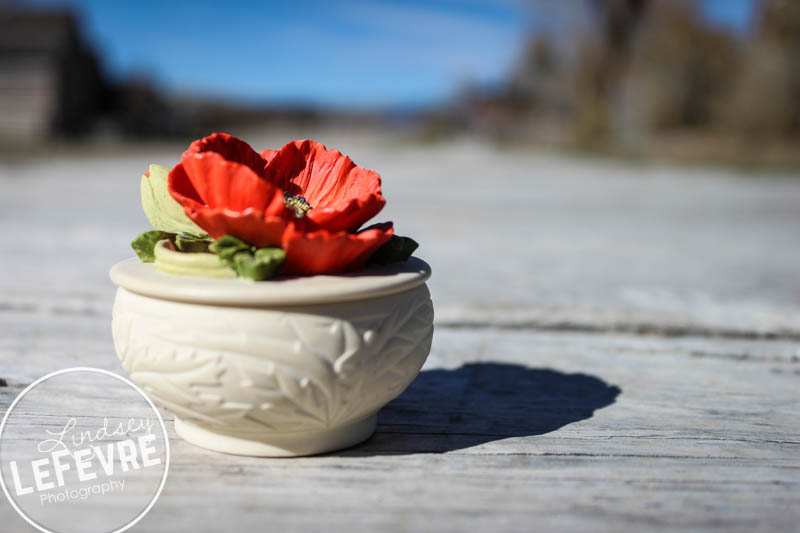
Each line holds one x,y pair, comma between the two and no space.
258,312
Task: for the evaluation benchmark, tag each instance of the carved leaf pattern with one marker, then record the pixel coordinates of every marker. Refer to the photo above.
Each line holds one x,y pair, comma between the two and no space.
248,371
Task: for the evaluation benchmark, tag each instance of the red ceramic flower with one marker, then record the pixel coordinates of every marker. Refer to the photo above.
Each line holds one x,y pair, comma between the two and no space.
225,187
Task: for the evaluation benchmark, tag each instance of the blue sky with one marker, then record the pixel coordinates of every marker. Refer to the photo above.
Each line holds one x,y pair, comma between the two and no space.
364,53
736,15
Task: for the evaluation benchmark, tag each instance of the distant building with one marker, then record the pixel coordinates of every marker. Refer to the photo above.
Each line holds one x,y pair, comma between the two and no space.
50,84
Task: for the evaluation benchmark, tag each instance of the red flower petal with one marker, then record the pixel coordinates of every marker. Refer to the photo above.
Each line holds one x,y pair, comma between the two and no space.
227,173
268,155
343,195
181,189
249,225
231,149
348,215
225,187
323,252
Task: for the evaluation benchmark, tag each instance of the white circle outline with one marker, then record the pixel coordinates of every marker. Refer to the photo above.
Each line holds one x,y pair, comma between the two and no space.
117,377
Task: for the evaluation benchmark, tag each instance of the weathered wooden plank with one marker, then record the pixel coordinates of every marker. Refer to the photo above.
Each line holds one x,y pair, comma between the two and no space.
510,429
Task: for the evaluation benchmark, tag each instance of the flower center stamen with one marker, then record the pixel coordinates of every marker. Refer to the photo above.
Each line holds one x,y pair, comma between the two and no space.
298,204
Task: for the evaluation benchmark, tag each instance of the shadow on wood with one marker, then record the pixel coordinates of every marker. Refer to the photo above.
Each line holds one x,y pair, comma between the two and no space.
445,410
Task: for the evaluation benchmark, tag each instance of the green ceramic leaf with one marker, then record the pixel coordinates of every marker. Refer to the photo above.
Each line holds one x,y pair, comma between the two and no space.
248,262
264,264
270,253
163,212
227,246
143,244
395,250
186,242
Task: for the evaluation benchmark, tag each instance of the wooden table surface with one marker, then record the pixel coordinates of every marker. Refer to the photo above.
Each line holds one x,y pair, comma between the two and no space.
617,346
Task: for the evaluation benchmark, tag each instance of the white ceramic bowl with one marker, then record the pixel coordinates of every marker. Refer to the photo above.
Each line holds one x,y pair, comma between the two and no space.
289,367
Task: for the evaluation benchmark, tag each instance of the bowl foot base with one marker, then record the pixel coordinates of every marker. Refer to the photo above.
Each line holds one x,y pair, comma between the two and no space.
278,444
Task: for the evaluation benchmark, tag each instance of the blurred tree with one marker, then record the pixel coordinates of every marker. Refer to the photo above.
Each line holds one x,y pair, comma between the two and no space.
766,100
681,69
656,77
531,85
602,61
534,101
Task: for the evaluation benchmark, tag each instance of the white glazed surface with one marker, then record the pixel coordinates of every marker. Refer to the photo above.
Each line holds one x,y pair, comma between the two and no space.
143,278
274,380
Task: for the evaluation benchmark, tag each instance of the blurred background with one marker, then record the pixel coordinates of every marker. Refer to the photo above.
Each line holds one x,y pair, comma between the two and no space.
571,164
694,80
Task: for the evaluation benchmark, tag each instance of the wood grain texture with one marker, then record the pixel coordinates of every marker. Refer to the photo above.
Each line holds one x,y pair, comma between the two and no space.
630,362
514,429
